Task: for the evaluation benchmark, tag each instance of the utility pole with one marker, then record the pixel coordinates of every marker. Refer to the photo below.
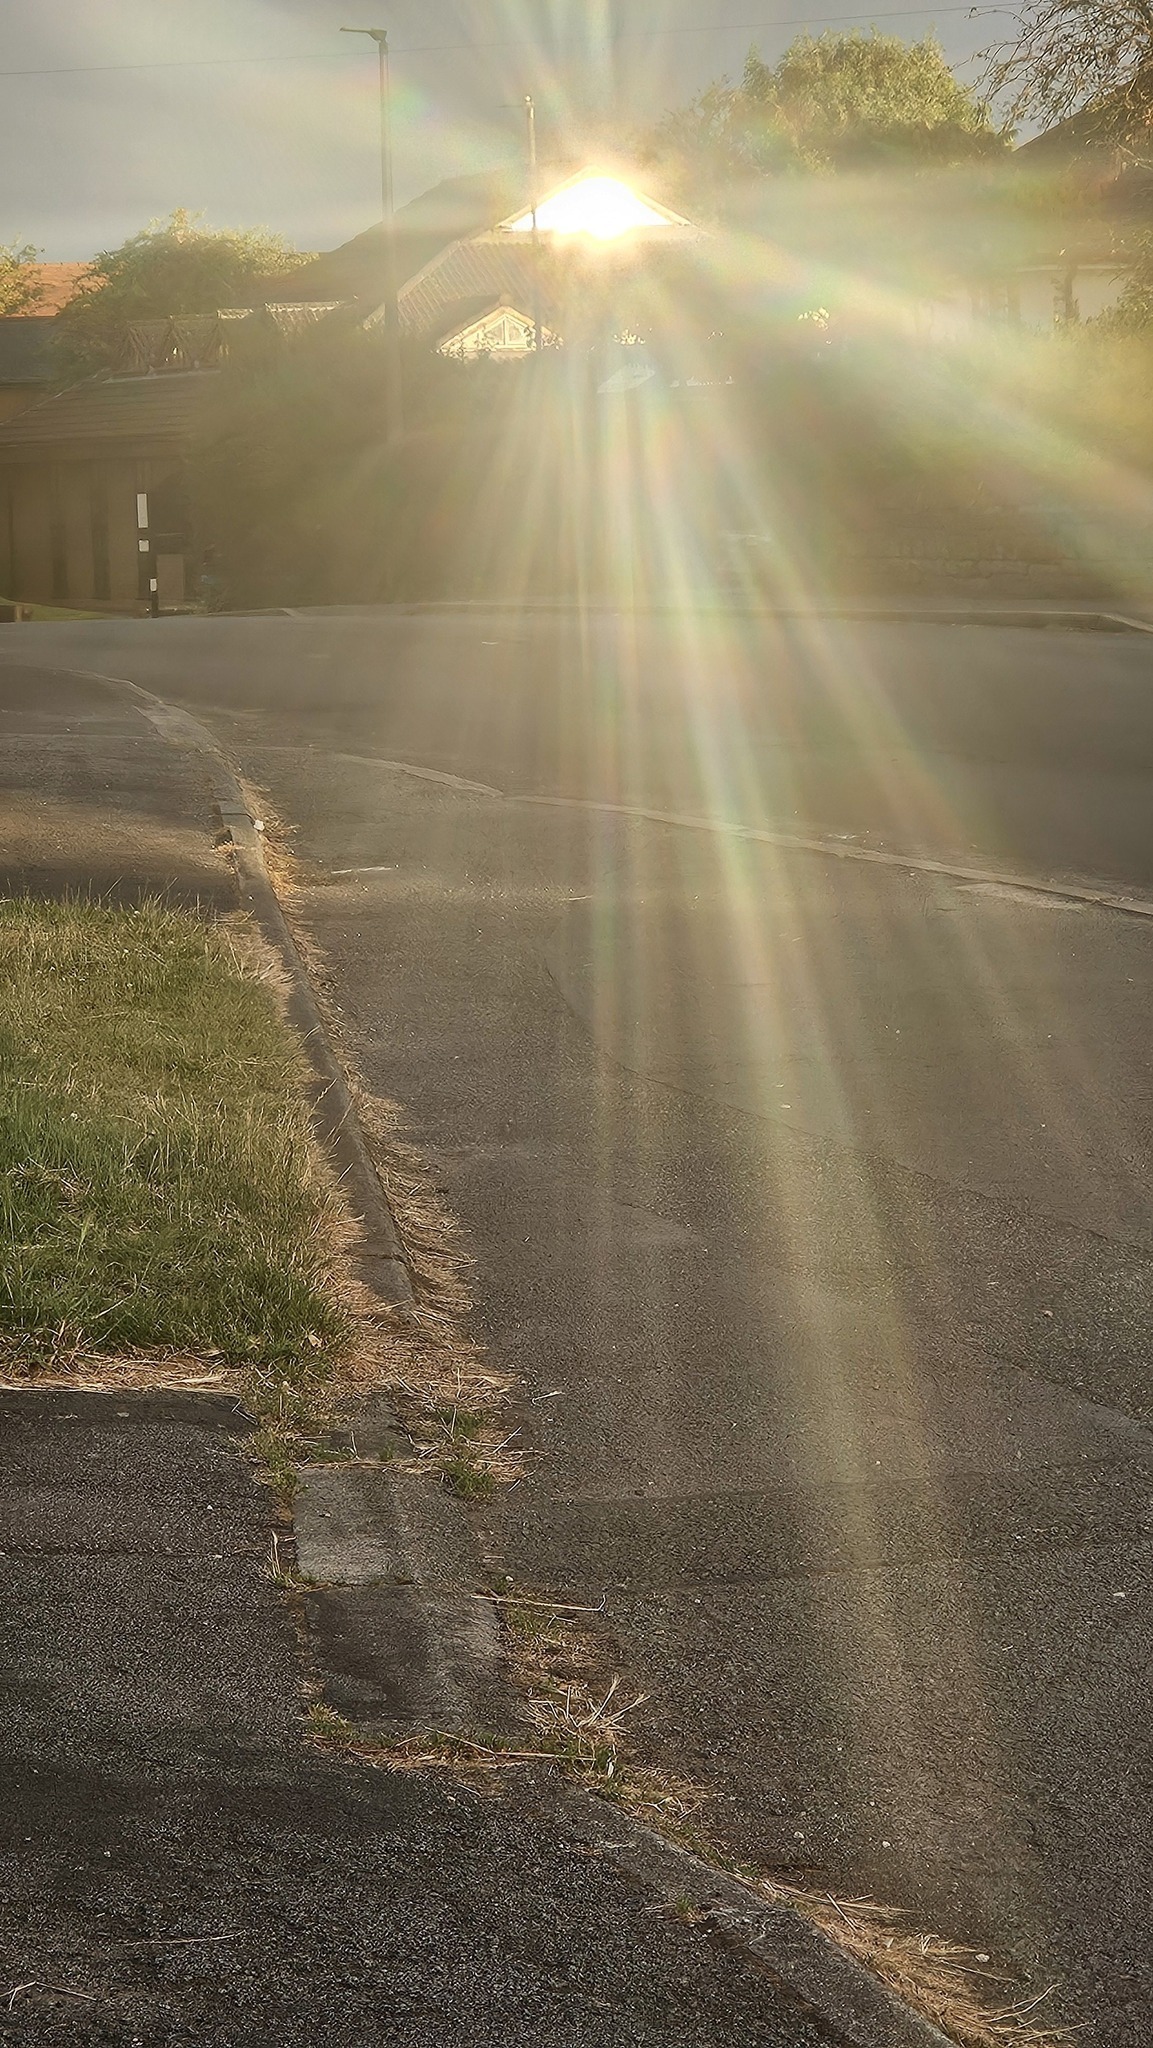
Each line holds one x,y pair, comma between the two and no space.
534,200
394,385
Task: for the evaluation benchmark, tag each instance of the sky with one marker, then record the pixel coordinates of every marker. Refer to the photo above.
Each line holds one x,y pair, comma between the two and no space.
259,112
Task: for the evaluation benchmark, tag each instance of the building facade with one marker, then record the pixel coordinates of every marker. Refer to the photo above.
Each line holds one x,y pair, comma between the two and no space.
73,472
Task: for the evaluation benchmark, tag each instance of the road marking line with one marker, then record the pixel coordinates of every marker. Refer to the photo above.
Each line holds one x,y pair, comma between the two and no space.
401,767
791,842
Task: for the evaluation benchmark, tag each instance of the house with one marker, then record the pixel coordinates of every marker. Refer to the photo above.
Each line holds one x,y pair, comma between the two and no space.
489,327
510,265
468,268
75,464
26,362
71,469
1086,191
26,357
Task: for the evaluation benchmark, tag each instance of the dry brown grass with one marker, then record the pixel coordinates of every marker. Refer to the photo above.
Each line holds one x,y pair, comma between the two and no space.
938,1978
448,1399
428,1231
92,1372
560,1658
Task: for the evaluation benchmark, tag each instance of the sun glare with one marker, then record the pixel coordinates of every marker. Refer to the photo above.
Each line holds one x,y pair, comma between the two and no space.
601,207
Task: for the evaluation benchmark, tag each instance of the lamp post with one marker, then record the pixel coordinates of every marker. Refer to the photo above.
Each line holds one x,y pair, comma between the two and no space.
534,201
394,387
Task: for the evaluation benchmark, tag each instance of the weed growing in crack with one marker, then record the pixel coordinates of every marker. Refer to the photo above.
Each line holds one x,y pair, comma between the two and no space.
461,1425
328,1727
467,1476
276,1454
281,1568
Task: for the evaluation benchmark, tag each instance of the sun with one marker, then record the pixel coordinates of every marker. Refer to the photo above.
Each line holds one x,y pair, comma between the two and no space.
598,206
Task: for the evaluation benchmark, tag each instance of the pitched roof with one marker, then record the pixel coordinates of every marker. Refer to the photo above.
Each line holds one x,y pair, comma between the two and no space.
499,263
430,233
25,350
451,212
486,269
59,283
1118,127
461,314
112,410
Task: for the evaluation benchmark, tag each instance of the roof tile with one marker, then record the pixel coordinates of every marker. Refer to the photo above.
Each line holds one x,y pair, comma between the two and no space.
110,409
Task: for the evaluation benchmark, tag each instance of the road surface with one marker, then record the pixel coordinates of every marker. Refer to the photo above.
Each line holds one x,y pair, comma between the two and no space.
809,1187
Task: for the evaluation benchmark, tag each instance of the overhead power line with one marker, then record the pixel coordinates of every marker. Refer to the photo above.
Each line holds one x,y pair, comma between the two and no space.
497,43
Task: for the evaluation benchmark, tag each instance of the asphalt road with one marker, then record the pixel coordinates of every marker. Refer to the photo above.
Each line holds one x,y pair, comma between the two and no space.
810,1195
177,1865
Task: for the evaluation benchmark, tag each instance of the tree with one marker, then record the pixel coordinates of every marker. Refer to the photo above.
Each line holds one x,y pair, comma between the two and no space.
831,103
296,488
173,266
1133,312
1080,57
21,290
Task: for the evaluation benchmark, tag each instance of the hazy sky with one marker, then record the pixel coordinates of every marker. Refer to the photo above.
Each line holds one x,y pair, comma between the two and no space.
112,112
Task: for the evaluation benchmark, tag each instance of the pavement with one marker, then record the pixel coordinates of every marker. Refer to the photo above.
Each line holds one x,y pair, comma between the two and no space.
91,798
809,1191
177,1864
176,1867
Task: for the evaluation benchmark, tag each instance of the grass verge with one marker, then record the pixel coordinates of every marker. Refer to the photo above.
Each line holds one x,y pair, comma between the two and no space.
160,1190
48,614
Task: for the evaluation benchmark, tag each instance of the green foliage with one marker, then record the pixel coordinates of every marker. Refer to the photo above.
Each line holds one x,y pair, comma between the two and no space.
466,1477
296,492
834,102
841,101
173,266
157,1179
1092,386
515,481
20,288
1133,313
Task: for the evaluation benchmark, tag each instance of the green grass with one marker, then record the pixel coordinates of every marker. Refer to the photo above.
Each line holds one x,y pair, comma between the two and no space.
48,613
158,1184
464,1475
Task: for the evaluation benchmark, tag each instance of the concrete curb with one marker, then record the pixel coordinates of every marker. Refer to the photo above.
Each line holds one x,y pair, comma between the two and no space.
379,1259
823,1975
399,1632
405,1643
1054,618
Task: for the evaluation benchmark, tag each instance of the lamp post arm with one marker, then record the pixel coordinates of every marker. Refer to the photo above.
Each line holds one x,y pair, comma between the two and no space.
394,383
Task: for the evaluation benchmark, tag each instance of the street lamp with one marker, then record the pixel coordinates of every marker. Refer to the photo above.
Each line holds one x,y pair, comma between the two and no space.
394,389
534,198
